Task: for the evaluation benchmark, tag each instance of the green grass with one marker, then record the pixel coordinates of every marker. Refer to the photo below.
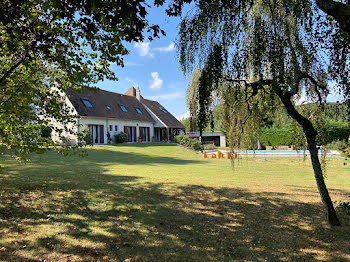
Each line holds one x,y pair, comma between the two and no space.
166,203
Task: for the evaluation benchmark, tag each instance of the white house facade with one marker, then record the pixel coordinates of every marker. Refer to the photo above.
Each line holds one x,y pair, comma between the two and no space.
105,114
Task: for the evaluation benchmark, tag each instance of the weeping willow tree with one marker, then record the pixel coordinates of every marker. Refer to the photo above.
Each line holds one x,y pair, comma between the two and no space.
256,54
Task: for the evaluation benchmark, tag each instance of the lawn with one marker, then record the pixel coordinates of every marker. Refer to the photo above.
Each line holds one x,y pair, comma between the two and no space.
166,203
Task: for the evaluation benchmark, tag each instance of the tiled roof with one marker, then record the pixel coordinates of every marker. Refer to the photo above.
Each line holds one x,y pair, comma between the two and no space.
168,119
101,98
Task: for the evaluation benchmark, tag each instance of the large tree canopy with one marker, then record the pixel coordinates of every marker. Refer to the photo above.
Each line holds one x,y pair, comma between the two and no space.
61,44
252,53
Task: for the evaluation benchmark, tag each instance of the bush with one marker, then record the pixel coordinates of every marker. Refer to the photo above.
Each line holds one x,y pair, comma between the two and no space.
209,147
189,142
196,145
178,139
121,137
337,145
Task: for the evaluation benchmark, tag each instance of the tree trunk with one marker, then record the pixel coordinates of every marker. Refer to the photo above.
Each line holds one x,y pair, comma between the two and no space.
311,133
322,188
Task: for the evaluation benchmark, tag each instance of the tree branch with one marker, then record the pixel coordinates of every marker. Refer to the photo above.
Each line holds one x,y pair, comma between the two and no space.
13,68
339,11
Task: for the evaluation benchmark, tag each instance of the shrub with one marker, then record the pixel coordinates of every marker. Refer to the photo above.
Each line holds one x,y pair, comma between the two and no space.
121,137
189,142
178,139
209,147
196,145
109,138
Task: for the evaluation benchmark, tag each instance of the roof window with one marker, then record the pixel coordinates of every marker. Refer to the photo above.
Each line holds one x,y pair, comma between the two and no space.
138,110
163,110
123,108
86,102
108,107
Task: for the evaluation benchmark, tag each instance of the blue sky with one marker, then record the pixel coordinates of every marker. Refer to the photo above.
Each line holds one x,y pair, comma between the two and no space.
154,67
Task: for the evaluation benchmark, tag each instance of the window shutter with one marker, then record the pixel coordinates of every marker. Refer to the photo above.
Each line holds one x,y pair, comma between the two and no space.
149,139
134,133
102,135
125,129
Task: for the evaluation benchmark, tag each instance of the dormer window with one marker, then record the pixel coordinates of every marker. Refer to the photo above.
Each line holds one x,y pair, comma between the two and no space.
108,107
138,110
123,108
163,110
86,102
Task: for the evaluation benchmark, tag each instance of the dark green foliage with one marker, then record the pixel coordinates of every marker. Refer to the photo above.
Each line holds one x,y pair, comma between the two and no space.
290,135
46,131
278,136
208,82
121,137
215,118
336,130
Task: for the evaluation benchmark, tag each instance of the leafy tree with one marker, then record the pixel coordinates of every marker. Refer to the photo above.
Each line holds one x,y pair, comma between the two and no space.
254,53
61,44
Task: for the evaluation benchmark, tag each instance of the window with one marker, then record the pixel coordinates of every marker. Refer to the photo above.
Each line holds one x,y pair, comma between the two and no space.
138,110
110,128
163,110
123,108
86,102
145,134
108,107
115,128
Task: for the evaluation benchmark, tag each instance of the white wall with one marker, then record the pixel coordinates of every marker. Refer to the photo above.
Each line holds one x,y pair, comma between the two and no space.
73,127
115,122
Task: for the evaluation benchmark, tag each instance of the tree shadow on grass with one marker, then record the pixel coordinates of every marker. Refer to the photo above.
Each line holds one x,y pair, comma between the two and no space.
52,212
148,222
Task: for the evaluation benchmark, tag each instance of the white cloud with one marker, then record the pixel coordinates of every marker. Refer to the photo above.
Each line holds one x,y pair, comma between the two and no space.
144,48
157,82
169,48
131,81
132,64
165,97
184,116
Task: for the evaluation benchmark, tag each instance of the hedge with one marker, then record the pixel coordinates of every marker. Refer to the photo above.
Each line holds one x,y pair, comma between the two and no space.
278,136
286,136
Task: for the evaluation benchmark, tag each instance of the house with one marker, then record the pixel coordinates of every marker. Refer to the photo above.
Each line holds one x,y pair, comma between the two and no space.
102,112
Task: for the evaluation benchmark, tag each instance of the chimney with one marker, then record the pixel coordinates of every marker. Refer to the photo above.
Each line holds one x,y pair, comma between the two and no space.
138,96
